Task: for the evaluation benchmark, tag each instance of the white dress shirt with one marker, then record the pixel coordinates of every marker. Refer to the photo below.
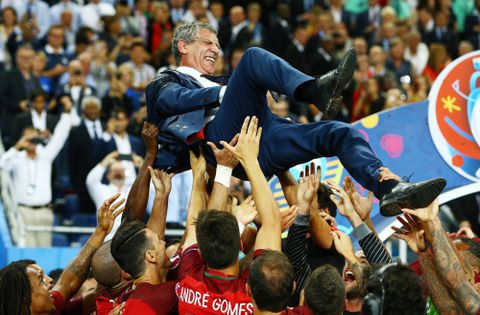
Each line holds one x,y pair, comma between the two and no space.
32,177
94,128
91,14
420,59
210,114
57,10
39,10
99,192
39,121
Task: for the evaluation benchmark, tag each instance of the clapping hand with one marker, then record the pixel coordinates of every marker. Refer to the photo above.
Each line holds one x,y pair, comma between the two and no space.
307,189
244,212
363,205
247,147
107,214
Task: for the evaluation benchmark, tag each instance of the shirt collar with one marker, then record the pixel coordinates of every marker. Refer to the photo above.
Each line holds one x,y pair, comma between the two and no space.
36,115
190,71
49,49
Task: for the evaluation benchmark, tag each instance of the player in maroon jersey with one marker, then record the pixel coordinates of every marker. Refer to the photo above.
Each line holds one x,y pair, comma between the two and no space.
210,281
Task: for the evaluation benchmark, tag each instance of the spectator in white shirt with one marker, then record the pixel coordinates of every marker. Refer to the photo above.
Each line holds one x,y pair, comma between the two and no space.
34,10
37,116
116,182
30,164
143,73
57,9
91,14
416,52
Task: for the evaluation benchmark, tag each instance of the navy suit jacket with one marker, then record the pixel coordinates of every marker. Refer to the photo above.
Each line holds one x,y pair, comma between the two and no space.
176,103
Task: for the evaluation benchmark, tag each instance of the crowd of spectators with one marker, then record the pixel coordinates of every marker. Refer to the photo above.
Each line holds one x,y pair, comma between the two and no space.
72,111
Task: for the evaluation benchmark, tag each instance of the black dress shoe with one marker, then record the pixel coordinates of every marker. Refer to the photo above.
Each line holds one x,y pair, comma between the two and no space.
411,196
333,83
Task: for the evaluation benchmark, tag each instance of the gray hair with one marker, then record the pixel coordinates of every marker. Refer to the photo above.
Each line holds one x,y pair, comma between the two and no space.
189,33
89,100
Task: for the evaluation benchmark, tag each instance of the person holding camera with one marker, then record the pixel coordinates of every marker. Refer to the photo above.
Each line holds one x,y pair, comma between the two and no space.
30,163
117,183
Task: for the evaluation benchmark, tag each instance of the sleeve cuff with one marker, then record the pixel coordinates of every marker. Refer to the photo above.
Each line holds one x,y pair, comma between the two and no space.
303,220
361,231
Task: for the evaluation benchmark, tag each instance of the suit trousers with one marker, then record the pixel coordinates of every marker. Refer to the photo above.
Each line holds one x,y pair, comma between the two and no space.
37,217
285,144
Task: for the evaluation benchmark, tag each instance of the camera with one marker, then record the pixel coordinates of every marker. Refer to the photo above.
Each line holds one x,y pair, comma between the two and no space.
119,76
37,140
77,72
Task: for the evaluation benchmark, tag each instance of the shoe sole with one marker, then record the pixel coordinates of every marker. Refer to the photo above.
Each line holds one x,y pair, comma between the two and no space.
421,197
347,69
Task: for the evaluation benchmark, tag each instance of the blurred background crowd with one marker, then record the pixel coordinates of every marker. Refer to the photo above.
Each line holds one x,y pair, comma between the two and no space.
97,56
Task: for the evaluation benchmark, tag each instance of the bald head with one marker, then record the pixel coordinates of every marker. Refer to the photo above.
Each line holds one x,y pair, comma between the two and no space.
104,267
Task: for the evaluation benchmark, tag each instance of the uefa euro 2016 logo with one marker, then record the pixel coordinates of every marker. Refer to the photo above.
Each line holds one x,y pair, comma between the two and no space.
454,115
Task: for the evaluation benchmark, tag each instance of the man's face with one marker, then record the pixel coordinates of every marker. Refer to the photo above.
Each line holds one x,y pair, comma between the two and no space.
116,173
137,54
121,123
38,103
91,111
41,284
351,284
202,53
56,37
25,58
158,249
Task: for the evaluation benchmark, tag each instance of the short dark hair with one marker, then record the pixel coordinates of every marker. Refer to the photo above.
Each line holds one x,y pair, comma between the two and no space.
218,238
324,201
137,44
105,269
403,293
271,281
129,245
15,289
325,291
36,92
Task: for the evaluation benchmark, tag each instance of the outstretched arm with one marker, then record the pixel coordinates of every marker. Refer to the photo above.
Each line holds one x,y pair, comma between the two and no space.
163,185
198,198
76,272
446,261
226,162
138,196
246,150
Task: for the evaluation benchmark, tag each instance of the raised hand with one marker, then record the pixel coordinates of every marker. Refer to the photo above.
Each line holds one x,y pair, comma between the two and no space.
329,219
137,160
287,217
427,214
248,143
225,157
343,245
307,188
109,159
244,212
411,233
344,204
149,134
107,214
162,181
198,164
363,205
